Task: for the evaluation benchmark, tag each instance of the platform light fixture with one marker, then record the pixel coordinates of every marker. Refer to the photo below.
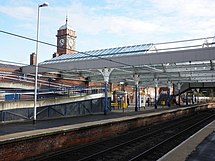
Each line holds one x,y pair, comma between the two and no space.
45,4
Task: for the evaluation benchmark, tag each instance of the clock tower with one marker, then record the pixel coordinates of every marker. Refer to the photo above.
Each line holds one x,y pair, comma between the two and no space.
65,39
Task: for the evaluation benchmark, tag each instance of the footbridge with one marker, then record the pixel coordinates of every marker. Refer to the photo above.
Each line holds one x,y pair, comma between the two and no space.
196,86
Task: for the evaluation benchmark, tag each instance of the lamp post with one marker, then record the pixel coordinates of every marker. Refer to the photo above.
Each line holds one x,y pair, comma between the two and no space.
36,64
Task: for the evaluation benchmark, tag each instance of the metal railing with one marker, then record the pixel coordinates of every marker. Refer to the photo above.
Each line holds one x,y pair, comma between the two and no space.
47,93
29,80
183,45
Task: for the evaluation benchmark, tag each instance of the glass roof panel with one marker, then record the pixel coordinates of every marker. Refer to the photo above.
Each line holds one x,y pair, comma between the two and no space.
139,47
119,49
135,48
114,50
96,52
104,53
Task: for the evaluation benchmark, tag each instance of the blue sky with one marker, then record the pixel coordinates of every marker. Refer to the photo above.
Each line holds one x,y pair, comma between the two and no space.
102,23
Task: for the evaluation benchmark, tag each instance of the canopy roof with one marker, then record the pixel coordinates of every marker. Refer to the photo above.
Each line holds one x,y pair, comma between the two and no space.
181,61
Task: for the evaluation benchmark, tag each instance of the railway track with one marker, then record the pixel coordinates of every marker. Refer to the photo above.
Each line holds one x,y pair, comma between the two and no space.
146,143
157,151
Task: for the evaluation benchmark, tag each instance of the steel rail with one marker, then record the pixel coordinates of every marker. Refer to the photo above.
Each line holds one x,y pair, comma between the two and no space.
130,141
169,139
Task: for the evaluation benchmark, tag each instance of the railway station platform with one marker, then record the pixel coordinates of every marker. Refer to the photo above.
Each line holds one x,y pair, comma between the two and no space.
16,127
18,140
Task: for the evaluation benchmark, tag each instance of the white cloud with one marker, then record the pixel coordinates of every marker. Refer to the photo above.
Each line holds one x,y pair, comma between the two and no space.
118,25
166,16
125,25
89,21
18,12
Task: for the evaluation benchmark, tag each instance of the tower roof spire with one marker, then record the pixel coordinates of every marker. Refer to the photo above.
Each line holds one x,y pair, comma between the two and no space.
66,19
66,26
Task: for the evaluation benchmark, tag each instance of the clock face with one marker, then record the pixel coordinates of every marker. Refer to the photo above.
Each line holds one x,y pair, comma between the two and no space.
61,42
70,42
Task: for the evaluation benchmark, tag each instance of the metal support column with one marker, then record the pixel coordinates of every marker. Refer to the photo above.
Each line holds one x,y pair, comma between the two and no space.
147,93
193,96
186,98
106,98
179,93
168,93
156,86
136,80
155,103
197,90
106,74
137,100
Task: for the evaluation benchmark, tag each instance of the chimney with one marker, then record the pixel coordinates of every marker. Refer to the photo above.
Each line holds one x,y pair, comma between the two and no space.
55,54
33,60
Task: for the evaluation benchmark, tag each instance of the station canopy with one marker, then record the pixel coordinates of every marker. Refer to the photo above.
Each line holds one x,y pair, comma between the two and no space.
179,61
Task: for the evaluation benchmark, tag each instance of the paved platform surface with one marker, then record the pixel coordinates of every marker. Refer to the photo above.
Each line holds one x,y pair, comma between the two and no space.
204,151
10,128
